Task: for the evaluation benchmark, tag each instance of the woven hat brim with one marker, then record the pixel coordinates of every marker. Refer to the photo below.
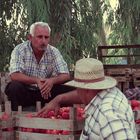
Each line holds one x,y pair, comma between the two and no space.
108,82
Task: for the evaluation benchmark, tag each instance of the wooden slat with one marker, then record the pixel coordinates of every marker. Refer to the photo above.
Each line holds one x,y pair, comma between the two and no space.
119,46
8,123
136,77
118,71
8,135
35,136
46,123
122,75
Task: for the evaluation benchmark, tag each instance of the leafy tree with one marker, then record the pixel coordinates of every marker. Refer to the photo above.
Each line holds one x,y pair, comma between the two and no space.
78,26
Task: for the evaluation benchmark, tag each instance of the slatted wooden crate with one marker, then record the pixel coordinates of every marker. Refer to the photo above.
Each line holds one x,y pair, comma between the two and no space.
120,56
48,124
19,120
136,77
122,75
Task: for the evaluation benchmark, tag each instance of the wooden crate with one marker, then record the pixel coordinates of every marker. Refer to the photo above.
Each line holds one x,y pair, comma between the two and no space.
71,125
127,57
121,56
136,77
122,75
19,120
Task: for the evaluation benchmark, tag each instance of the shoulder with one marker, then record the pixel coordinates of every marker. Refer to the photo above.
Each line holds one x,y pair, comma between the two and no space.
21,47
114,102
52,48
53,51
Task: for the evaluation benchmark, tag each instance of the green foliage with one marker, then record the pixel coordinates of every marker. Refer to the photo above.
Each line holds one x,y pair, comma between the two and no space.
78,26
36,10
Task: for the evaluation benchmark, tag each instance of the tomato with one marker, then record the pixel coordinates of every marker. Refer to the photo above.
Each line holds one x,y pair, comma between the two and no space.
50,114
5,116
65,115
135,103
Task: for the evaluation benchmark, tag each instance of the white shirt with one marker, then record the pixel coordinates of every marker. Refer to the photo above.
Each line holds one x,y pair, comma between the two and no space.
109,117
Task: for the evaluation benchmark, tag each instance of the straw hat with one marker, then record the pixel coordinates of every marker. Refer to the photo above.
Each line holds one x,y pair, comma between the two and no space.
89,74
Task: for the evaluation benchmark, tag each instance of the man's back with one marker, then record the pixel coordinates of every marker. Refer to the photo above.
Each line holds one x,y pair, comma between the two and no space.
109,116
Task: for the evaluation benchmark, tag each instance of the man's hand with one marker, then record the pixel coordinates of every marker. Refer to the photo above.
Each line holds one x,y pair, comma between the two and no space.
45,86
52,105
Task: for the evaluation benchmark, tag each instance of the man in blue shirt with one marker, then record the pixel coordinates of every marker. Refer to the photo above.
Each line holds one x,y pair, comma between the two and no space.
36,69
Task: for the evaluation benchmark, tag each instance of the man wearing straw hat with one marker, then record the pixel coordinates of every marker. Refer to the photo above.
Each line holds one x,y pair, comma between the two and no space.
108,115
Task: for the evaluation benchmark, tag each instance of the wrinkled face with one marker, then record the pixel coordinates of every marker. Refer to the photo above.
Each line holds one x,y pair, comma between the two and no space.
85,95
40,39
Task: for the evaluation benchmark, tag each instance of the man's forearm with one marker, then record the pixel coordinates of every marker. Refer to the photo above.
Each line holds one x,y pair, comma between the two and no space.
33,80
61,78
23,78
69,98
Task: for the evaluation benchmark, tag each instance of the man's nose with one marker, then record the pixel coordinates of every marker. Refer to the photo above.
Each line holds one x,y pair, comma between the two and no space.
44,39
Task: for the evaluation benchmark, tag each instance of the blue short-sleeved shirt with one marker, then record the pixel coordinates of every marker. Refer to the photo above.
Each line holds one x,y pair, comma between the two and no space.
23,60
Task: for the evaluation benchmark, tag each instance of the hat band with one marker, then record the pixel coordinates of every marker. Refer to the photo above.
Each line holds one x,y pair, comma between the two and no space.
90,81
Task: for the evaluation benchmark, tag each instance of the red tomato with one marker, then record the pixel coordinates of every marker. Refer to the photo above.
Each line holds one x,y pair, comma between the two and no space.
51,114
5,116
65,115
66,109
135,103
137,121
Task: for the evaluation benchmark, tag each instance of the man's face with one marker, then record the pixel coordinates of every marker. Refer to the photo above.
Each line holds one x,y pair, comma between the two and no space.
85,95
40,39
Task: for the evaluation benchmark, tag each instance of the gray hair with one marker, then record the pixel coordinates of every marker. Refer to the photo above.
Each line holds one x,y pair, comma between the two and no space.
42,24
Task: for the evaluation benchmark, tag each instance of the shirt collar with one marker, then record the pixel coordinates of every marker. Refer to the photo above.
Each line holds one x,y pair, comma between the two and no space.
29,46
97,99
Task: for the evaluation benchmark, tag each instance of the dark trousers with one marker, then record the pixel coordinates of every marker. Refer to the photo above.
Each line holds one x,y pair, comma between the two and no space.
22,94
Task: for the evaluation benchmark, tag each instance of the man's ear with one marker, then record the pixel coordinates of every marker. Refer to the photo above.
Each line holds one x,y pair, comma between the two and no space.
29,36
